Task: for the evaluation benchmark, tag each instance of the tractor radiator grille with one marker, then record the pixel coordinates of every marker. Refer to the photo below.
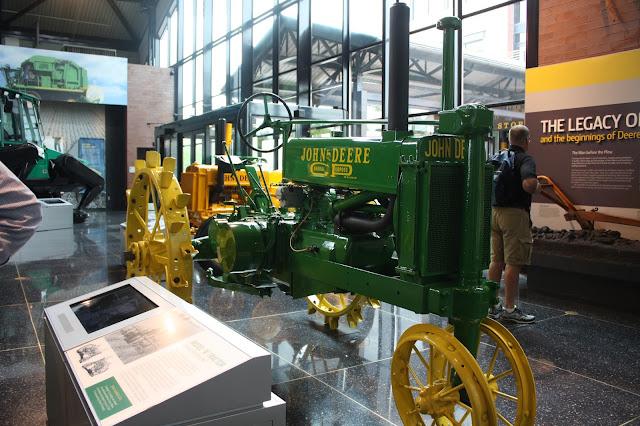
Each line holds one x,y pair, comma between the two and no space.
444,215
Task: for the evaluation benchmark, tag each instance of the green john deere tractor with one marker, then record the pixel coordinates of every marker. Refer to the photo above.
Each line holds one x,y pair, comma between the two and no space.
45,171
53,79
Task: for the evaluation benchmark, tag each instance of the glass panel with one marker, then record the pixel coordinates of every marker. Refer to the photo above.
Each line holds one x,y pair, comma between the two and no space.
504,119
263,49
236,14
219,69
326,83
494,56
365,22
287,86
187,83
212,141
199,78
326,29
163,53
186,152
366,89
199,24
187,33
235,61
261,6
263,86
173,47
188,111
425,13
218,101
423,129
31,130
199,139
470,6
219,22
235,96
425,71
289,39
173,150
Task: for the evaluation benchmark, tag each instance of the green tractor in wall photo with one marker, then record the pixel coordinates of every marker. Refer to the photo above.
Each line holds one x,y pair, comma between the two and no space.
45,171
52,79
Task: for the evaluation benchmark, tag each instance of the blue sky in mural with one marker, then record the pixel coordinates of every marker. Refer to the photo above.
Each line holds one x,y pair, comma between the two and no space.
107,75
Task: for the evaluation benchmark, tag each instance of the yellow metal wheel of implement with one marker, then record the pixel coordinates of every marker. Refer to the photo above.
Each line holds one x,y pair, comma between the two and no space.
335,305
158,236
436,381
508,374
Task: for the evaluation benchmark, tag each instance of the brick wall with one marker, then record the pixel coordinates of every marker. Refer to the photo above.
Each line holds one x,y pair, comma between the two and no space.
150,100
578,29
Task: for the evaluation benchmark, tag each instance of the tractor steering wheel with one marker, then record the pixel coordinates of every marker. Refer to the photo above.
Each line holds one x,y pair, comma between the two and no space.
276,125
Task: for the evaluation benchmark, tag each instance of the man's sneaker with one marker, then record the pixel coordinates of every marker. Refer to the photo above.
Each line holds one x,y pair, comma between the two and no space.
494,313
517,316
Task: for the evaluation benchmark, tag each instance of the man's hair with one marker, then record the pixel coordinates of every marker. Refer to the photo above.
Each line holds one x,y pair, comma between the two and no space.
518,135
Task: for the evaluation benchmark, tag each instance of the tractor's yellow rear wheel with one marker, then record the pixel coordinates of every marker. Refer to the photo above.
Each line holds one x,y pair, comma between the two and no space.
336,305
436,381
158,237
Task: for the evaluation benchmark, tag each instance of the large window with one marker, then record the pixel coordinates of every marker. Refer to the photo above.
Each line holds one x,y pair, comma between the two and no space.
249,46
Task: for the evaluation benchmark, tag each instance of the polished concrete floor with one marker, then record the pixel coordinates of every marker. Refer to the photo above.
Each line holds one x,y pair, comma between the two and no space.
585,359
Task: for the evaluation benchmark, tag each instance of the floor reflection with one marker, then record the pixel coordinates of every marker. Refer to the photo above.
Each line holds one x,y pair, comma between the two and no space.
584,363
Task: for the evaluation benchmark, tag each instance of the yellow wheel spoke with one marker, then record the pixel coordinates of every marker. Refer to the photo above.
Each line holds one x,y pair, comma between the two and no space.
507,396
505,421
463,418
413,388
442,394
424,361
466,407
343,301
451,419
493,361
501,376
415,376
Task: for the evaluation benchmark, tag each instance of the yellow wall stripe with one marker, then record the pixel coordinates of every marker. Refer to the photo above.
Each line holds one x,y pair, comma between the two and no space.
584,72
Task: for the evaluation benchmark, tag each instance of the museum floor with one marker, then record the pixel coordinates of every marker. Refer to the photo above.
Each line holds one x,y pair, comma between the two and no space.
585,359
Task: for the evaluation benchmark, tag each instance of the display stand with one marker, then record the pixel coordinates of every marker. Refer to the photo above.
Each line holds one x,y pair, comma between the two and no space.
56,214
133,353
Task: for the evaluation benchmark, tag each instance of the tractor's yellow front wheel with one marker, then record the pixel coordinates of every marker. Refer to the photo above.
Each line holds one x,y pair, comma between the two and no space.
436,381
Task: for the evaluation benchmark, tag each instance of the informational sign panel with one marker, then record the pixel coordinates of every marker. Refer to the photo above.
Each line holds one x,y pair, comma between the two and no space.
584,118
64,76
136,367
92,150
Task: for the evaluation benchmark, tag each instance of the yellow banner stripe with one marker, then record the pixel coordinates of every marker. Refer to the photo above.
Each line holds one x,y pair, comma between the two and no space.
584,72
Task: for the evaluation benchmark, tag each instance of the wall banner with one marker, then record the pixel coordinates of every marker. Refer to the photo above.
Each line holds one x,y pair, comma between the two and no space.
584,118
64,76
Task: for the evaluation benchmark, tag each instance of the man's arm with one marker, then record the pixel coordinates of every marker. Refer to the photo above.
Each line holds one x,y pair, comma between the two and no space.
20,214
531,185
529,176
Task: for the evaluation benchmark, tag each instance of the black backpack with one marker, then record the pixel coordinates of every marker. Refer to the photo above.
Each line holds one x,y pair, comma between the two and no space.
505,179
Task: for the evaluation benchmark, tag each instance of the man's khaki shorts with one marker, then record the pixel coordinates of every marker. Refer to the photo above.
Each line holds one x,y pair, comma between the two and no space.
511,240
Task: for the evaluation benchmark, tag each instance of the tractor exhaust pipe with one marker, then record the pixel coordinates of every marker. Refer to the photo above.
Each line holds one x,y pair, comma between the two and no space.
449,26
399,67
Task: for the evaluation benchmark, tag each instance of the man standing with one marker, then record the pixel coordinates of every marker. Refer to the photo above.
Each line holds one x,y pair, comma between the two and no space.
511,240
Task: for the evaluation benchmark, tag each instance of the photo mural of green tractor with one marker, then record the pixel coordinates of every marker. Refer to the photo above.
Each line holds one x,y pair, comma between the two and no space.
402,219
53,79
45,171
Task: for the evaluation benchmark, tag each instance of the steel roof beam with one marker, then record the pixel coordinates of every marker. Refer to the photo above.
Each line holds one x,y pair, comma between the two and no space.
23,12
